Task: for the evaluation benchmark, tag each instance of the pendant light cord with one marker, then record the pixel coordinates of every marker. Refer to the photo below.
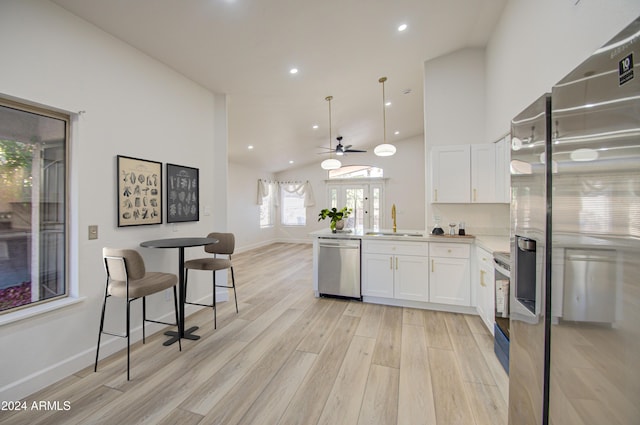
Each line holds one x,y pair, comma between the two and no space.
384,112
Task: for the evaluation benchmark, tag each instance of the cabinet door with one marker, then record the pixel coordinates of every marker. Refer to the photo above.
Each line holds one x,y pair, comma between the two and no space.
486,296
483,173
411,278
451,170
377,275
449,281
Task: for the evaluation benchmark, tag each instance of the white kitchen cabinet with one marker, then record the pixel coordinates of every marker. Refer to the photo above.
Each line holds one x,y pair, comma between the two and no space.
483,173
377,275
485,287
467,174
449,274
503,169
451,174
392,269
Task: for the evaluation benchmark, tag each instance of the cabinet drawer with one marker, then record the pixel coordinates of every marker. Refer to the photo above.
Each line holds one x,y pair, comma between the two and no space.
396,248
452,250
484,257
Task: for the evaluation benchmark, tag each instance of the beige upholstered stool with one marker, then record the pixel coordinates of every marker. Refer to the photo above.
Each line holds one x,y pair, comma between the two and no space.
225,246
127,278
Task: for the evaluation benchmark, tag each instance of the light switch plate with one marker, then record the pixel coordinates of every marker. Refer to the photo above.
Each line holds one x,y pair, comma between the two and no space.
93,231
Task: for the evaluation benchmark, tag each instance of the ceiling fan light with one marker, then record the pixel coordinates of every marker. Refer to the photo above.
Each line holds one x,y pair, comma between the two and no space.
331,164
385,149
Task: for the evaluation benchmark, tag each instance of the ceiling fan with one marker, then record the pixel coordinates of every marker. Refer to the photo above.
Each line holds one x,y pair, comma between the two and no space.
341,149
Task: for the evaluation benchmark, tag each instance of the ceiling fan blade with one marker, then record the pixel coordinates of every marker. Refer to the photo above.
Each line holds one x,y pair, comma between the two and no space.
354,150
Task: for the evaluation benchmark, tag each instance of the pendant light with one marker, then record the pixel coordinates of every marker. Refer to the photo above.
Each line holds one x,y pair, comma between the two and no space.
384,149
331,163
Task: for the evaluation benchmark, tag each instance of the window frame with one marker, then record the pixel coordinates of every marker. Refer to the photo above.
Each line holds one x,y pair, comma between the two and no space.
282,208
64,298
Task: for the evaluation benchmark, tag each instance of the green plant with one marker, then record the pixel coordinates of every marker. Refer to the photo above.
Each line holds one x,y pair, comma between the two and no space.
335,215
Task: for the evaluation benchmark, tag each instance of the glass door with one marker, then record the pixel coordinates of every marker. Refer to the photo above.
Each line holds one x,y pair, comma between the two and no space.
365,200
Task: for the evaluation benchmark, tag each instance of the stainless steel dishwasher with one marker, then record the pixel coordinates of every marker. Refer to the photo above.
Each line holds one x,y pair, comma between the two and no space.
339,267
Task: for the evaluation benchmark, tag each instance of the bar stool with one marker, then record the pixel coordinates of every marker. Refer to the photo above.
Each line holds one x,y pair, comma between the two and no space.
127,278
225,246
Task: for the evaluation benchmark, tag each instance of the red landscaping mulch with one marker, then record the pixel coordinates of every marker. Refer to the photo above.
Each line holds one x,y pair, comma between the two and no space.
15,296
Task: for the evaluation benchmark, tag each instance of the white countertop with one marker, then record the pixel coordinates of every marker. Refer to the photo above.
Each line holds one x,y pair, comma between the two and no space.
493,243
388,234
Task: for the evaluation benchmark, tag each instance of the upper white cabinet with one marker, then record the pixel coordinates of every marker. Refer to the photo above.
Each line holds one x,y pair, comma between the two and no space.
469,173
451,174
483,173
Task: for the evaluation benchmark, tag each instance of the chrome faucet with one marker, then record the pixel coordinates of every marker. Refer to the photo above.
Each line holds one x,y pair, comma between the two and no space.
393,216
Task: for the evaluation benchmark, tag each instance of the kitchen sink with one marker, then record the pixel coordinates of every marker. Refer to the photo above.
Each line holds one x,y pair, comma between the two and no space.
392,234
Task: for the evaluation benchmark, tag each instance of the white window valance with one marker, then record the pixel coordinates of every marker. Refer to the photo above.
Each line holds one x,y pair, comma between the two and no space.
265,187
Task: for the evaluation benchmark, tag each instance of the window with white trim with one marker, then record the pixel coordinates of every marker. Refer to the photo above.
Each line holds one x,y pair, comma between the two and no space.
292,207
33,205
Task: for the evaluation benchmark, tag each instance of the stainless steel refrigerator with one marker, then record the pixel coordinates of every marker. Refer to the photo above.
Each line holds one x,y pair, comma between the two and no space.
575,233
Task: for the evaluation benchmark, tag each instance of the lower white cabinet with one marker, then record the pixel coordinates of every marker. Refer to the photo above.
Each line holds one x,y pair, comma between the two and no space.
449,274
485,291
395,270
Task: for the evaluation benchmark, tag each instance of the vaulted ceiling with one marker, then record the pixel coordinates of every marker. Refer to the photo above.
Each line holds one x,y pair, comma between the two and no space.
246,49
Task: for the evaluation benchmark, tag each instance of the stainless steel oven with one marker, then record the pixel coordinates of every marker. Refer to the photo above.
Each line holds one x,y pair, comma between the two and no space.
502,273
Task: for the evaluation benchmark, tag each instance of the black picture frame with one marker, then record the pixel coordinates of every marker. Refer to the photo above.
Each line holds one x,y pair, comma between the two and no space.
183,194
139,191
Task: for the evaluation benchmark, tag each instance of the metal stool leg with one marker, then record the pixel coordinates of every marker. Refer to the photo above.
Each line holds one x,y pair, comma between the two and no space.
215,323
128,336
235,296
144,317
104,306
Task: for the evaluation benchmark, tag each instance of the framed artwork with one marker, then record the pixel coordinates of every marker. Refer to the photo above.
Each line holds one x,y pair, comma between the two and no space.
183,194
139,191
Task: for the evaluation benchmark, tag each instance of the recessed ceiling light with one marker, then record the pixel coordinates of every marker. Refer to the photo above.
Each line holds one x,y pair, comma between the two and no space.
387,104
396,132
315,127
250,147
291,162
402,27
293,71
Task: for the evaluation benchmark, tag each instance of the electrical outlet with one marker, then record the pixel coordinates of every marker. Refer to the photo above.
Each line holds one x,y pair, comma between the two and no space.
93,231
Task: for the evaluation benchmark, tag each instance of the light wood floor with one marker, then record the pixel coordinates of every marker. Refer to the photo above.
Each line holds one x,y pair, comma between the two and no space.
290,358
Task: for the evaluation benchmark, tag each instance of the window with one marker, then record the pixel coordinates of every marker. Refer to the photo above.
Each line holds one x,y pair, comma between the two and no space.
292,209
267,208
356,172
33,205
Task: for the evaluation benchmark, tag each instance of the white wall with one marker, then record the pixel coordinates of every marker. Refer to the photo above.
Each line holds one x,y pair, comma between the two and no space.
536,43
134,106
244,211
454,103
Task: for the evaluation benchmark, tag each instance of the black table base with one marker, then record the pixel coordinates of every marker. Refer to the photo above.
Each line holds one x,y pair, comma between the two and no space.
188,334
181,244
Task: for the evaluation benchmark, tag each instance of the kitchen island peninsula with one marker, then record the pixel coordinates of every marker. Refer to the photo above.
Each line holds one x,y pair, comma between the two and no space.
408,268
